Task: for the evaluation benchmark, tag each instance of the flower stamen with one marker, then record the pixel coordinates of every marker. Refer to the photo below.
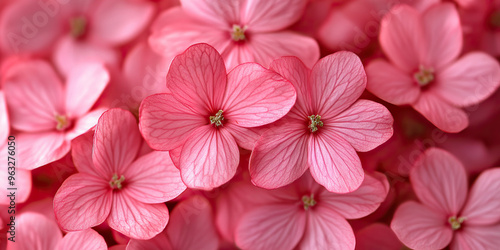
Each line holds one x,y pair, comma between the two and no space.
62,122
455,222
238,33
315,122
217,118
78,26
308,201
115,182
424,76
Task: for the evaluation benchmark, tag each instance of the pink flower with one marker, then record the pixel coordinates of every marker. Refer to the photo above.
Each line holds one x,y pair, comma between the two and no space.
379,235
209,114
324,129
113,185
4,119
241,30
307,216
424,69
48,114
446,213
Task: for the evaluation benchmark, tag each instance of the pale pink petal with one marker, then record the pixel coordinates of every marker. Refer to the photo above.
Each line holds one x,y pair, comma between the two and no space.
280,155
336,81
391,84
441,113
4,119
33,99
118,21
83,201
379,235
221,14
256,96
333,163
469,80
86,239
81,154
22,181
135,219
279,226
85,123
443,35
165,123
265,47
41,148
361,202
327,230
159,242
209,158
153,178
420,227
483,203
191,225
35,231
365,125
235,54
402,37
84,85
476,237
116,141
271,15
439,181
245,137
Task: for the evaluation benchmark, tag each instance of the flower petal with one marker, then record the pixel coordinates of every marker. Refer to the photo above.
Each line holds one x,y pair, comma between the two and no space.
220,14
85,123
4,119
476,237
271,15
86,239
39,149
159,242
35,231
245,137
377,234
483,203
22,180
81,154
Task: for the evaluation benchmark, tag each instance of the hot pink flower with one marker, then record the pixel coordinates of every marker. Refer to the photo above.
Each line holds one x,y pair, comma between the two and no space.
324,129
446,213
113,185
424,69
209,114
308,216
241,30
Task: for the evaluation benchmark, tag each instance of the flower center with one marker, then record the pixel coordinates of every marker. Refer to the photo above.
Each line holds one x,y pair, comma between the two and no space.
315,121
238,33
62,122
495,19
217,118
115,182
424,76
455,222
78,26
308,201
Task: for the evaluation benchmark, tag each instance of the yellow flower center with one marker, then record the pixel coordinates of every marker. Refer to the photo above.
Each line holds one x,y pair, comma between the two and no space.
314,122
455,222
115,182
424,76
238,33
217,118
308,201
62,122
78,26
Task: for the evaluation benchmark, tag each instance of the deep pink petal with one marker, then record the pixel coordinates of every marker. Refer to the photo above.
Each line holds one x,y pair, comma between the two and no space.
476,237
391,84
159,242
135,219
266,15
86,239
439,180
4,119
483,203
333,163
221,14
245,137
34,99
279,226
83,201
34,231
41,148
377,234
165,123
280,156
209,158
336,81
153,178
256,96
85,123
81,154
420,227
116,141
469,80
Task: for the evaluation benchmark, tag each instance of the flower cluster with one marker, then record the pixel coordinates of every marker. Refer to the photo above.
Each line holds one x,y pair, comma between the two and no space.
249,124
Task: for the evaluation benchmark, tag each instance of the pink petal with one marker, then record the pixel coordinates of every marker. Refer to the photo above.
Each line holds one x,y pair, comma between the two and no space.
334,163
271,15
116,141
82,154
440,113
132,17
361,202
84,85
420,227
159,242
86,239
41,148
265,47
379,235
235,54
34,231
365,125
192,226
245,137
165,123
280,156
256,96
83,201
22,180
391,84
483,203
153,178
41,87
443,34
439,181
175,156
336,81
4,119
135,219
327,230
220,14
209,158
469,80
84,123
402,37
279,226
477,237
